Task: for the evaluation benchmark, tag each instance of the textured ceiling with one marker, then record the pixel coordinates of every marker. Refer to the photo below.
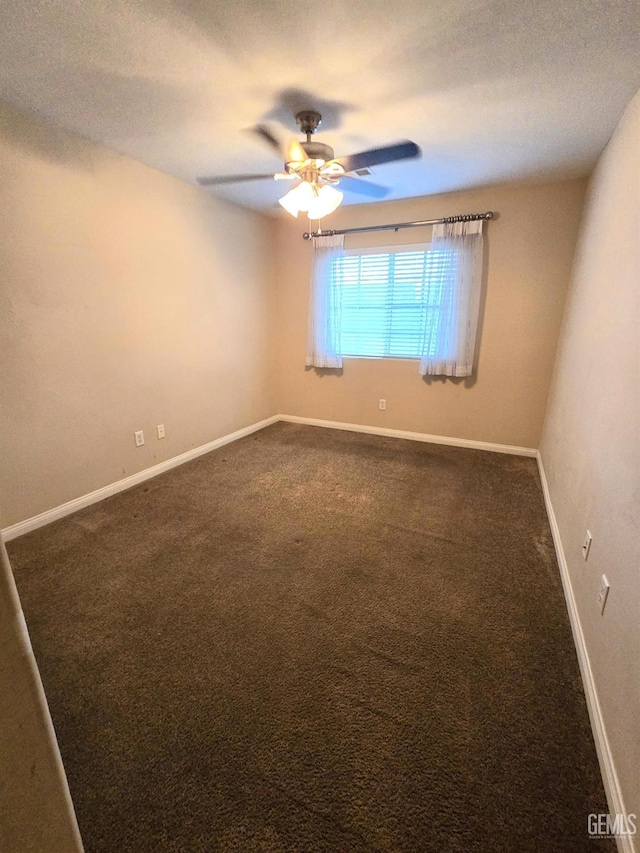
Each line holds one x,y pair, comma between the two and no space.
492,91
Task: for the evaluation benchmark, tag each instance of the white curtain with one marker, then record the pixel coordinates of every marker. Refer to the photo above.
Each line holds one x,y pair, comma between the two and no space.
449,342
324,304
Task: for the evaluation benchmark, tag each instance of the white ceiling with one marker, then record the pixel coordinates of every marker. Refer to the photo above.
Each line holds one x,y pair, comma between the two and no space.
492,90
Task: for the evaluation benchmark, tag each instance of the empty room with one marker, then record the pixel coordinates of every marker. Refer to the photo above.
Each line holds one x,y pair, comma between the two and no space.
319,427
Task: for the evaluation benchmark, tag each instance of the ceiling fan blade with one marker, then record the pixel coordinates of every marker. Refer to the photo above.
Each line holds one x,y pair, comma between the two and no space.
355,185
269,137
377,156
295,153
290,150
231,179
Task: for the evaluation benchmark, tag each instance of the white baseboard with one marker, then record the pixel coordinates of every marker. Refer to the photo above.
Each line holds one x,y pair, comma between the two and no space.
74,505
83,501
610,780
413,436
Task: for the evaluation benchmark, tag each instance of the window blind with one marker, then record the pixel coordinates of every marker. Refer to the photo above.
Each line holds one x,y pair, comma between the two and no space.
390,300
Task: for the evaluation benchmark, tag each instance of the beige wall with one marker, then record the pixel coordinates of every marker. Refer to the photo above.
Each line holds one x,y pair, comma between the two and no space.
127,299
528,249
37,814
591,441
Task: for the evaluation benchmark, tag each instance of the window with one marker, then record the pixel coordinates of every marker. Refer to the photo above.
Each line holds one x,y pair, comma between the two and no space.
419,302
389,298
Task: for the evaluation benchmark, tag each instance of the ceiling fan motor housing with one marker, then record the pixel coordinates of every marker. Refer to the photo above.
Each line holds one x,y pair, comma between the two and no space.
318,150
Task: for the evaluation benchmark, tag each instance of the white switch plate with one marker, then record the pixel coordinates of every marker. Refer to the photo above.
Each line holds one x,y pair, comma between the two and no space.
160,430
139,434
382,405
603,593
586,545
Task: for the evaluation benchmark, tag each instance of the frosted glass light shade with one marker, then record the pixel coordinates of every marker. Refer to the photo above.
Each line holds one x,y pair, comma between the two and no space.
299,198
318,201
290,202
325,202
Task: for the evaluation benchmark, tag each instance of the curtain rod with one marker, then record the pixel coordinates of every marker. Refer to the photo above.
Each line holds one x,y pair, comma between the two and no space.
467,217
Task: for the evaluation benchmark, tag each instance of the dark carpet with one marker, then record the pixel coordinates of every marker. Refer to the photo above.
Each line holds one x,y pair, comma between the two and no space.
311,641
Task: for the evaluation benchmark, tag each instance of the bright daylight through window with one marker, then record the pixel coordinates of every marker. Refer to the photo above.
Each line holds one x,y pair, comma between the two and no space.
392,300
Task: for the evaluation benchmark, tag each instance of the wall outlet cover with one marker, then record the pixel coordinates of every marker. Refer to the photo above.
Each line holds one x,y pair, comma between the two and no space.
603,593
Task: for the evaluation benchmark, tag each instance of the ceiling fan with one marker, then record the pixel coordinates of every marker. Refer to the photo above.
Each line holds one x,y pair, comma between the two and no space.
317,171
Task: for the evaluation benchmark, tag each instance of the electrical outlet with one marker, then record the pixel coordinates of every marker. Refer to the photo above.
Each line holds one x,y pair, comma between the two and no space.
160,430
382,405
586,545
603,592
139,434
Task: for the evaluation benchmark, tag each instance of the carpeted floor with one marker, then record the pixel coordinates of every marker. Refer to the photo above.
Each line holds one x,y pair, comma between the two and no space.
312,641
